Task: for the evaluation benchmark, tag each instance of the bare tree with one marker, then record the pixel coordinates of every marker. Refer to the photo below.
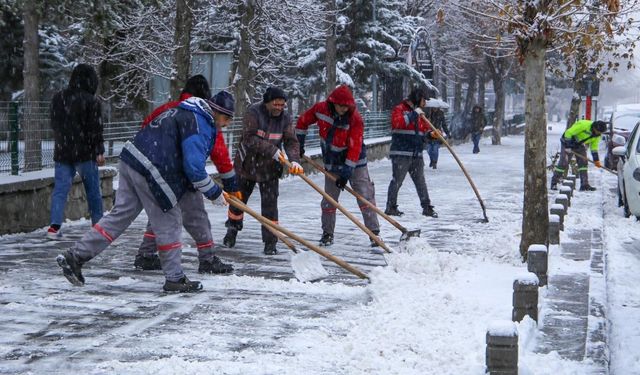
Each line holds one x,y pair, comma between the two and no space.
31,74
182,41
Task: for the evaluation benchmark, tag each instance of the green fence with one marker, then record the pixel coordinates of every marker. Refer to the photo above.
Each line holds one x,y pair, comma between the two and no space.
26,140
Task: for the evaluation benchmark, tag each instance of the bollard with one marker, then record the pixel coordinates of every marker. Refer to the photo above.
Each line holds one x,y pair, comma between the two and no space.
566,191
563,200
570,184
502,348
558,209
538,262
525,297
554,229
571,177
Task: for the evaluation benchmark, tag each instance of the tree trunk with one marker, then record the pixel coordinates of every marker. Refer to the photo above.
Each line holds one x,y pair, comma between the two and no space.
182,39
330,56
498,118
576,100
471,93
243,72
443,83
32,127
481,91
535,220
457,96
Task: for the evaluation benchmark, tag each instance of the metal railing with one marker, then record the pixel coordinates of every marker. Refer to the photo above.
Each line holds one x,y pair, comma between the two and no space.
26,140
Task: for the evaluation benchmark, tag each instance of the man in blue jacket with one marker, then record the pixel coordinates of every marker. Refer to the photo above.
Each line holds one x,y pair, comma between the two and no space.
164,160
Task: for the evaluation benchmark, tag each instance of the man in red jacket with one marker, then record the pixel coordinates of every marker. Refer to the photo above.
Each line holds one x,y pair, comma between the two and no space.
194,216
341,131
409,131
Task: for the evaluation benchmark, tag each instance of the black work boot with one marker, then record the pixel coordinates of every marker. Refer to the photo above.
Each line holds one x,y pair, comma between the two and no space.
214,265
71,268
428,211
182,286
270,248
149,262
434,165
587,187
393,211
229,239
326,239
377,233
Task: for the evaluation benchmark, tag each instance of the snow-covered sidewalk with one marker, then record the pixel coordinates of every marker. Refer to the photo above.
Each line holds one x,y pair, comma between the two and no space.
426,312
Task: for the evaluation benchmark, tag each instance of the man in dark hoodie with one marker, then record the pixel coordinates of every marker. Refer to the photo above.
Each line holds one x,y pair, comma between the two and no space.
79,144
266,128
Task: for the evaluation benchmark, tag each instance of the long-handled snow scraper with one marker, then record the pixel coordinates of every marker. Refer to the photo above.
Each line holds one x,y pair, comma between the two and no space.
348,214
306,264
455,156
244,208
591,161
406,234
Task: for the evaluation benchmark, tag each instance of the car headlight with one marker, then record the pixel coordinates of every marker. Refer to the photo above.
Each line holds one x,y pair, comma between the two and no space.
636,174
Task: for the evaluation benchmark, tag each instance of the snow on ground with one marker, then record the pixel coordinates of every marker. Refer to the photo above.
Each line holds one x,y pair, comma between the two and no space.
427,312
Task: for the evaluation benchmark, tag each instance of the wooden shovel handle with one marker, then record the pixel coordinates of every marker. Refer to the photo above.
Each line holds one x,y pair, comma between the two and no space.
348,214
356,194
455,156
590,161
235,202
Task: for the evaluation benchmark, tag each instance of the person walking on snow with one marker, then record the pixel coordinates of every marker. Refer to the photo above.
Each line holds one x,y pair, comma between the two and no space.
582,133
79,144
478,123
341,132
266,129
194,216
162,162
438,120
409,131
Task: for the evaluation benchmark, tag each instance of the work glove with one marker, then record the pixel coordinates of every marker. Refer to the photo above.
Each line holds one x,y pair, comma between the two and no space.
419,111
296,168
597,163
279,156
433,135
344,176
237,194
220,200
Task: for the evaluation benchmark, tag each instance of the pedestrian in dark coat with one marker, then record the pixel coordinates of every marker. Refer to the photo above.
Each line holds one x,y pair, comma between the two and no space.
478,123
439,121
76,121
266,128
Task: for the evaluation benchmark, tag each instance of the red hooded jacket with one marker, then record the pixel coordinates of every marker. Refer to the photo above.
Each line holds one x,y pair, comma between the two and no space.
346,132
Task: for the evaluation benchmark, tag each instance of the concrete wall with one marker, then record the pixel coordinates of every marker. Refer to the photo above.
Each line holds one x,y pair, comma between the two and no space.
25,201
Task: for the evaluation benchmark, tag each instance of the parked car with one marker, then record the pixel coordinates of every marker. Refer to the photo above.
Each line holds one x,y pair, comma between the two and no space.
622,122
629,173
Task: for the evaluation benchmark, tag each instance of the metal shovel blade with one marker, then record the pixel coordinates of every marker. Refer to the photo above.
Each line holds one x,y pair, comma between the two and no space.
410,233
307,266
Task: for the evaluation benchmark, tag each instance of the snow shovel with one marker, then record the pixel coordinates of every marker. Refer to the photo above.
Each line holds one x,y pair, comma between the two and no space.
455,156
235,202
348,214
406,234
306,264
590,161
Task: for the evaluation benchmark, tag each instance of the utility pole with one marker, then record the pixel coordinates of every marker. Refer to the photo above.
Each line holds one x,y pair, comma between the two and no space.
374,76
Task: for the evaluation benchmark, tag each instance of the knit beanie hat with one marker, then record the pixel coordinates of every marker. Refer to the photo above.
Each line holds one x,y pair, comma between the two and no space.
223,102
273,93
